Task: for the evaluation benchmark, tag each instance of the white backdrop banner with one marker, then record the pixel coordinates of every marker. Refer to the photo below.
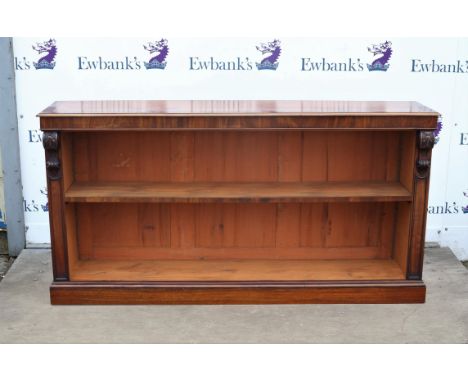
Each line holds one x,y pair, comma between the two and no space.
431,71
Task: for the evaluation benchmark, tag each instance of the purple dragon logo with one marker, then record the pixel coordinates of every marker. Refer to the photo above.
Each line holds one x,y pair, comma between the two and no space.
438,130
465,208
384,52
158,51
273,51
47,61
45,207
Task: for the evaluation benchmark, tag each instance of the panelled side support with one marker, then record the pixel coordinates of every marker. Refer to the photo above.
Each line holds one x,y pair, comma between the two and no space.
51,142
425,143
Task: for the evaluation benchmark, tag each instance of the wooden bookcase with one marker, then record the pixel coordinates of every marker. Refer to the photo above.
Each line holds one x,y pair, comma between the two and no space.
237,202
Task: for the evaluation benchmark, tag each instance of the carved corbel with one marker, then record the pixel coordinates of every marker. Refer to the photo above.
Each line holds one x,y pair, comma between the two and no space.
425,144
50,141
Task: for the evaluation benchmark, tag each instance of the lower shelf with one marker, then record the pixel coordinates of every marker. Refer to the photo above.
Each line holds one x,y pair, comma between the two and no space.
235,270
377,292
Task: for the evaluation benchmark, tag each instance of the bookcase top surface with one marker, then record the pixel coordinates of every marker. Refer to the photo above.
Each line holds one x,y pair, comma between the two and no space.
175,108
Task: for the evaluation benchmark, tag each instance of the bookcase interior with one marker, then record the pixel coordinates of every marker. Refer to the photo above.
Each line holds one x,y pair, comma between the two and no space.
238,205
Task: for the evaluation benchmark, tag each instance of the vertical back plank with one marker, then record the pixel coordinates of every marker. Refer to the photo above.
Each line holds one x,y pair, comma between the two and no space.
387,225
182,155
119,219
288,225
315,156
349,156
210,156
116,156
72,241
182,225
289,156
251,156
154,222
215,225
313,224
393,156
402,235
378,155
85,231
255,225
353,224
81,157
153,156
408,157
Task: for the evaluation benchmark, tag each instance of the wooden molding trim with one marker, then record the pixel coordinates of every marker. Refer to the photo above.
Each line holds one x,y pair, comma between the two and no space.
391,292
50,141
425,144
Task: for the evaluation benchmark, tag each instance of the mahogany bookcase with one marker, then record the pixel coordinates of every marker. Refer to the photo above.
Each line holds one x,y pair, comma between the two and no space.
237,202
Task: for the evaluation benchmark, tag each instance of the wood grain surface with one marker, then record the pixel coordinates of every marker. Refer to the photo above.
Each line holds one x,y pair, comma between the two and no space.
234,108
236,192
236,270
266,156
377,292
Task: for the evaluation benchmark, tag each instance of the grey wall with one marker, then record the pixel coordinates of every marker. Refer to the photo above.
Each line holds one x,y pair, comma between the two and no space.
9,149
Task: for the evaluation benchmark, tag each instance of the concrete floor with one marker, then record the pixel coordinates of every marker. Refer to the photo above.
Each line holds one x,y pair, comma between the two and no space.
5,264
27,317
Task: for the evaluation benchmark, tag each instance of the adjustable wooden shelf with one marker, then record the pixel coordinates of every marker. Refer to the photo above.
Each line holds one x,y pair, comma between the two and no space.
237,202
